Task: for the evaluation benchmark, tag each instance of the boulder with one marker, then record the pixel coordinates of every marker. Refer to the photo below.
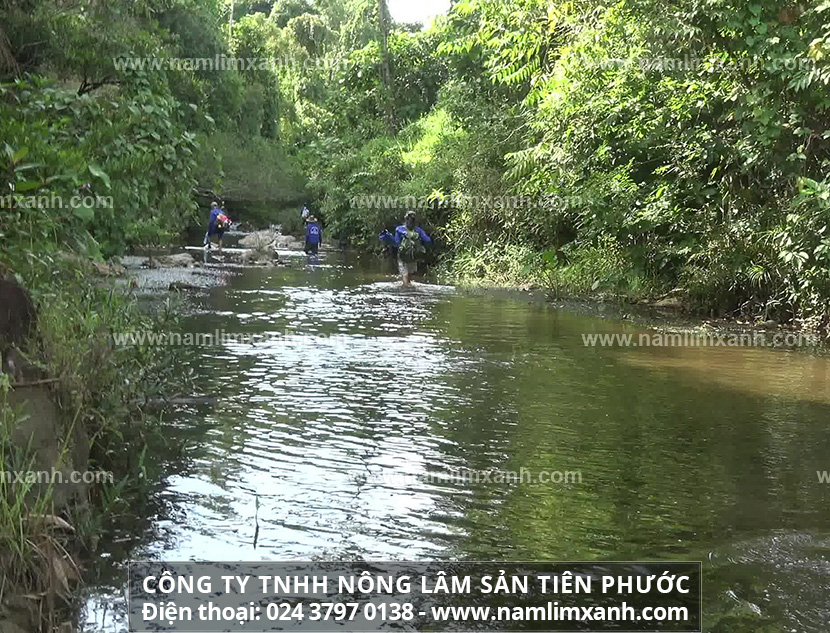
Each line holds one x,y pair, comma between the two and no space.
109,269
258,258
674,300
673,303
287,242
260,240
179,260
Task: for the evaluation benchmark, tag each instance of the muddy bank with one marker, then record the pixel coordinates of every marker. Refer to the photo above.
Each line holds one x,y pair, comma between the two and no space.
42,450
38,428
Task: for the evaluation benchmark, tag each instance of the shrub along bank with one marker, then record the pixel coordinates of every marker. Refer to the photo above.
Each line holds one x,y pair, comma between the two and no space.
658,149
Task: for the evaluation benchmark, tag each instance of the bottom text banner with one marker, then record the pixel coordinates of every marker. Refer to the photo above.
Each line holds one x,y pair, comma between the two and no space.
317,597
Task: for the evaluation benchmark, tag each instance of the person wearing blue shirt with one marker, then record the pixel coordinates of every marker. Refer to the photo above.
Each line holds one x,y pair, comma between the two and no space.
410,242
217,225
313,235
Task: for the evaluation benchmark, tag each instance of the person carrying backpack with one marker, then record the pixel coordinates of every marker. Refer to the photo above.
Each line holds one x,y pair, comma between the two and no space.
218,224
410,241
313,235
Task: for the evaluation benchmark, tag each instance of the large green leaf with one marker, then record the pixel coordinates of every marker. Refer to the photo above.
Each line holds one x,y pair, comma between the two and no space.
96,171
84,213
26,185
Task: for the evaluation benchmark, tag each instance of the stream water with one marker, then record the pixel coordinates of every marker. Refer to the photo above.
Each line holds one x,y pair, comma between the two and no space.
372,422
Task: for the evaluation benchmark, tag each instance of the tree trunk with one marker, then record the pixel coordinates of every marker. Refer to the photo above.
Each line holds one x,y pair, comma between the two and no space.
384,21
7,60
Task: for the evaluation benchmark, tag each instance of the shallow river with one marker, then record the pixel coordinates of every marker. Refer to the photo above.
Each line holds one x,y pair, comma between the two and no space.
373,422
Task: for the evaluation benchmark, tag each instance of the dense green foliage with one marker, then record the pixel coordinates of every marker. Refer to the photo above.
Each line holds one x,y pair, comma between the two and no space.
132,151
634,148
695,138
629,147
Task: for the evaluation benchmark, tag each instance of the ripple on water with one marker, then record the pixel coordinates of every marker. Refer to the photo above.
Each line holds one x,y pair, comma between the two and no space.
353,429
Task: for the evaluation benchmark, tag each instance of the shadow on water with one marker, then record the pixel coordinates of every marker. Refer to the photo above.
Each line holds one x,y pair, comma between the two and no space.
368,421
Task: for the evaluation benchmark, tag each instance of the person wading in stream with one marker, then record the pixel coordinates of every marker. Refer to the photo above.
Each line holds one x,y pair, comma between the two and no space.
410,241
219,223
313,236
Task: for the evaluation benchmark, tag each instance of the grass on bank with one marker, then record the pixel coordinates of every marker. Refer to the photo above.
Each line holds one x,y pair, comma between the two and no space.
99,387
35,565
602,269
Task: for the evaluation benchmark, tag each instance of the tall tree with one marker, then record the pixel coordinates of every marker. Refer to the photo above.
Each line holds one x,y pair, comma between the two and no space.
384,25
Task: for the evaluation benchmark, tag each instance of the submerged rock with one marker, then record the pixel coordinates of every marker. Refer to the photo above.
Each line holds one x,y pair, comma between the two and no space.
181,285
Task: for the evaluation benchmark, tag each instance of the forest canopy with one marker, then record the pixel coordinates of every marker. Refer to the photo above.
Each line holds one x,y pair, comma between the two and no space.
634,147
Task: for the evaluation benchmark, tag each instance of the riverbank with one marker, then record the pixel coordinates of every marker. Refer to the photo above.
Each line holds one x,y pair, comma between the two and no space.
606,271
71,396
70,400
663,309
